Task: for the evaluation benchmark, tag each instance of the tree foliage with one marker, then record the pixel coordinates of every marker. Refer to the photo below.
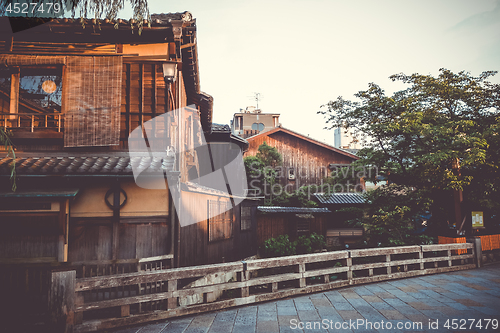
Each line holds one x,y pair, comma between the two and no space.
99,9
262,176
440,133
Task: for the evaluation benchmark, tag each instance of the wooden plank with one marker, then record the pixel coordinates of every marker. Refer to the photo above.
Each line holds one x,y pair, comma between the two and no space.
446,258
444,247
123,301
297,259
384,251
146,277
62,300
328,271
401,275
156,258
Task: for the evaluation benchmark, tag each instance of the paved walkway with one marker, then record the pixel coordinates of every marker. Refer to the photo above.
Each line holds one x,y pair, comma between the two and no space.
409,304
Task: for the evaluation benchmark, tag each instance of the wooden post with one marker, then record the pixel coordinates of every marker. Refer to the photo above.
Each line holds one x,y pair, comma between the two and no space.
388,259
79,300
421,257
172,302
274,286
245,276
14,91
477,250
62,301
348,262
302,281
449,258
125,310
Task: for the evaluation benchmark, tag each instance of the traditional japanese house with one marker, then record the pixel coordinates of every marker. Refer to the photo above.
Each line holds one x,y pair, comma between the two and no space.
71,92
337,232
274,221
305,161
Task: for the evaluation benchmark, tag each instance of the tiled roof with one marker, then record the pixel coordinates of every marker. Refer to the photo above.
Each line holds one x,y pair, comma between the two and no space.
110,164
303,137
340,198
220,128
296,210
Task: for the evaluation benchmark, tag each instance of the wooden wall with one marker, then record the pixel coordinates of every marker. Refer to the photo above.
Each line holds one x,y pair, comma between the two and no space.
30,235
309,160
274,225
195,249
91,239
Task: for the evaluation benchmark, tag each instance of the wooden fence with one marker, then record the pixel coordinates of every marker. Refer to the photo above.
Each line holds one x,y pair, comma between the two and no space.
30,291
125,299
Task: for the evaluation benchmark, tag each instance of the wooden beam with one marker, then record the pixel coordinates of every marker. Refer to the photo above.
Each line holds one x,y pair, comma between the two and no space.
154,95
141,95
128,120
14,90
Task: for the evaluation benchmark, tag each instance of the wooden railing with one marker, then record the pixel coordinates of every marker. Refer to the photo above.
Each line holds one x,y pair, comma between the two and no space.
32,121
85,269
145,296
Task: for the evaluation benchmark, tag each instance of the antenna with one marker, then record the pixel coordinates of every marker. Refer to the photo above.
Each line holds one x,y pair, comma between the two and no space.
256,97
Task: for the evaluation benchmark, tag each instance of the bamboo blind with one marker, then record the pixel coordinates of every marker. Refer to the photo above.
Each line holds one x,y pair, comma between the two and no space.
92,98
29,60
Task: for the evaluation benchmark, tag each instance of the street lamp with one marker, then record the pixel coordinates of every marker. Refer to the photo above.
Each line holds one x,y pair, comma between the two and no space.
170,71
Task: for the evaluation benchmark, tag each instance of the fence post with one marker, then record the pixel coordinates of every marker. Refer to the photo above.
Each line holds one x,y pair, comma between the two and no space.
421,258
349,265
62,301
478,251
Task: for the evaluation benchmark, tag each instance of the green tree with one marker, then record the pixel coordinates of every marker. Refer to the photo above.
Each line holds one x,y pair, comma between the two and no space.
439,134
261,171
270,156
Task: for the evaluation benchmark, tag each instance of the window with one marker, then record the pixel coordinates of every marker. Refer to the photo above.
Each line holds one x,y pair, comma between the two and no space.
258,126
38,89
246,218
220,220
303,223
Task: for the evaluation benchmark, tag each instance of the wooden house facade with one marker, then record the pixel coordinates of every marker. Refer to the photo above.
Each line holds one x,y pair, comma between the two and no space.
274,221
305,160
71,93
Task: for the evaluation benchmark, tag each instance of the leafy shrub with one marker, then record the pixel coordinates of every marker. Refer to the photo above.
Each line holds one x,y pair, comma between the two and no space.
309,244
282,246
277,247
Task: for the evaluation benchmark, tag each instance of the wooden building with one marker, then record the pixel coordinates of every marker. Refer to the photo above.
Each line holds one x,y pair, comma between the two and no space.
292,221
337,232
305,160
71,92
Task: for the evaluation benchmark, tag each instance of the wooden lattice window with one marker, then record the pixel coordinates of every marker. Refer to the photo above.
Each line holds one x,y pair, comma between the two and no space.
220,220
246,218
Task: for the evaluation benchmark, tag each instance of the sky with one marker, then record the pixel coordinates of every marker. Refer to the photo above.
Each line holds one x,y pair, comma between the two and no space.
300,54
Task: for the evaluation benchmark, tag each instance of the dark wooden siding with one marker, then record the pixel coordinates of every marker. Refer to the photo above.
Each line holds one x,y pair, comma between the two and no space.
91,239
309,160
195,249
274,225
29,235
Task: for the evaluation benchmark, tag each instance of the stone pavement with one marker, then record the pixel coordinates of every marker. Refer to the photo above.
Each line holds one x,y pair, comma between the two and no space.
420,304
